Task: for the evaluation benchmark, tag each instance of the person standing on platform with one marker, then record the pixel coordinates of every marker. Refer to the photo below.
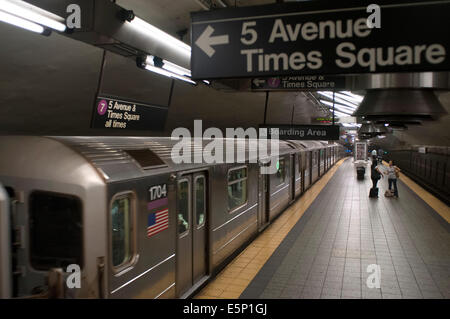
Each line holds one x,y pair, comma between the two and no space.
392,173
375,176
380,156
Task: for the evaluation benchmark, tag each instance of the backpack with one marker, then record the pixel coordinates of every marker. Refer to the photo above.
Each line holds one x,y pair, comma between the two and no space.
388,193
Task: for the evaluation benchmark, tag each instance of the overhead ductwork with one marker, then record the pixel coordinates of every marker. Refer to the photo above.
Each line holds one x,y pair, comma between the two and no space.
400,105
398,126
380,129
416,80
114,28
367,128
370,130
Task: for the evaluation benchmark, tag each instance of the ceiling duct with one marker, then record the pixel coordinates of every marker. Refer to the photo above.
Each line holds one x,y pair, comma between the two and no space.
364,136
367,128
113,28
400,105
380,129
398,126
415,80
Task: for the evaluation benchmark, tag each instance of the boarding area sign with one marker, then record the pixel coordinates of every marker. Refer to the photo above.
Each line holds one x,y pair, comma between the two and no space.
322,38
302,132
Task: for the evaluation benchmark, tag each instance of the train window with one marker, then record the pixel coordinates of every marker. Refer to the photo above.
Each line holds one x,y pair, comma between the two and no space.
280,175
121,230
200,200
56,230
183,206
237,187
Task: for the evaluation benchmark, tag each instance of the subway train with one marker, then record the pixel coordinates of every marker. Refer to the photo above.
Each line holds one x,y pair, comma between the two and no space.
427,165
134,222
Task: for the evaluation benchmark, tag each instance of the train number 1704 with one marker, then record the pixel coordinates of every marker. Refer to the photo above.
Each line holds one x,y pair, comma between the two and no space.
157,192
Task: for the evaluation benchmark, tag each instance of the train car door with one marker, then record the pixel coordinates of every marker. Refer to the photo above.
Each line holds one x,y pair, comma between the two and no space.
292,181
263,212
5,246
192,257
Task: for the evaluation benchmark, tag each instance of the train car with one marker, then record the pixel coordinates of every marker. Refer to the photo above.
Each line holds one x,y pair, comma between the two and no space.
136,221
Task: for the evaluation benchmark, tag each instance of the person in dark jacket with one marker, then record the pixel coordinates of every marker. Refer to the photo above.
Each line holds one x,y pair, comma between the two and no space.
375,173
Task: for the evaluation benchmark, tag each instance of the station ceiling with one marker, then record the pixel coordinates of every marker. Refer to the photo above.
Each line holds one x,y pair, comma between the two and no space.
48,86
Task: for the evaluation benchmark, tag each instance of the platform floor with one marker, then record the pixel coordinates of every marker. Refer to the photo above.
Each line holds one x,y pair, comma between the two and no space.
327,250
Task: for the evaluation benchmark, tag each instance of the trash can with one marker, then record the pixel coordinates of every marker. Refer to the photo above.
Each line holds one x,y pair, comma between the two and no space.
360,171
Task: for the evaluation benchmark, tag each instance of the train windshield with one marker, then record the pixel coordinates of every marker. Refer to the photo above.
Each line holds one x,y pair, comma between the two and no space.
55,230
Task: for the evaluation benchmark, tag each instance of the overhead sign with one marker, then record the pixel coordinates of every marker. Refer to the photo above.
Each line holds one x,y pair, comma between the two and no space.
111,113
321,120
302,82
303,132
318,37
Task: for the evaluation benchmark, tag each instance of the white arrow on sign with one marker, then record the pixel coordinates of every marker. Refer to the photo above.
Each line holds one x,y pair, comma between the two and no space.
258,82
206,41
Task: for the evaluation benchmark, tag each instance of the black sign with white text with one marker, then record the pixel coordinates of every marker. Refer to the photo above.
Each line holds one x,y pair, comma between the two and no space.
319,37
302,82
118,114
303,132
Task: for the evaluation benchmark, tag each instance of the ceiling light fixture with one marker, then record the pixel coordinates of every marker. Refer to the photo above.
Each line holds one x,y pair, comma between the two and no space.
174,68
33,14
157,35
157,65
337,99
21,23
348,98
338,107
357,97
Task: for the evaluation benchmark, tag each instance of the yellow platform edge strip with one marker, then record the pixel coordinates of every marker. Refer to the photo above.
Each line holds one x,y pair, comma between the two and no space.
440,207
232,281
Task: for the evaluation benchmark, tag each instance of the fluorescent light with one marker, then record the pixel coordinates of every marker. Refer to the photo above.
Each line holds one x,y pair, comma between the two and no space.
357,97
341,114
160,36
338,107
167,73
172,67
150,65
34,14
338,99
21,23
206,82
348,98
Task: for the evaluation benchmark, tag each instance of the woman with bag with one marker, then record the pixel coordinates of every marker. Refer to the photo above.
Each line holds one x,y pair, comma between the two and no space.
393,173
375,175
